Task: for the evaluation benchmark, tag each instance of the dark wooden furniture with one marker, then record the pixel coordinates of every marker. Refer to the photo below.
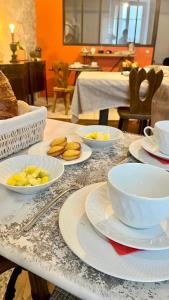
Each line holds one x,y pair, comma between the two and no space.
140,108
26,78
61,72
166,61
39,289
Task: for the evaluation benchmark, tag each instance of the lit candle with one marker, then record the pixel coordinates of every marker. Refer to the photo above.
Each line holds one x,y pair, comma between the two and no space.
12,29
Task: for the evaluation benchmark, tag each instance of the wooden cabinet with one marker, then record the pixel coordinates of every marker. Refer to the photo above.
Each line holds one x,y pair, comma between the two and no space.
26,78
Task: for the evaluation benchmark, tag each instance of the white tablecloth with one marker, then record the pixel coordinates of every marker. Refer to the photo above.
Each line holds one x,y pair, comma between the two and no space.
101,90
43,251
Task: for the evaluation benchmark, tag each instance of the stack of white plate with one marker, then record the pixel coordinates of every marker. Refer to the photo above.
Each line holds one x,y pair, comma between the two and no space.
146,151
87,222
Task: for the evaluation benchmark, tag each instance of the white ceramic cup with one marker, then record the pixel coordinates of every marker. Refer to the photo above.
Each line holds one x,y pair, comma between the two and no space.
139,194
160,135
77,64
94,64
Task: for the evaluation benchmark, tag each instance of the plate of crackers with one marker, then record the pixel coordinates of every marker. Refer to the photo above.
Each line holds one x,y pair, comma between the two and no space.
70,152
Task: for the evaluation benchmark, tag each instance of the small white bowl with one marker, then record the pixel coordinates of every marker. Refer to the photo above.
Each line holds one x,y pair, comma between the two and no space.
13,165
139,194
115,134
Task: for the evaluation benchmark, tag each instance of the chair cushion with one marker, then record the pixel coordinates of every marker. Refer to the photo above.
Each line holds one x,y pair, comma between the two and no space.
124,113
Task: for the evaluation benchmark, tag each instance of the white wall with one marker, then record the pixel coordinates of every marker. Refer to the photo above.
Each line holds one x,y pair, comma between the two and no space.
162,43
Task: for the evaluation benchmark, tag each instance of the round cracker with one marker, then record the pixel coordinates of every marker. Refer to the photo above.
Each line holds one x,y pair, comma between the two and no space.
55,150
70,157
70,154
62,140
73,146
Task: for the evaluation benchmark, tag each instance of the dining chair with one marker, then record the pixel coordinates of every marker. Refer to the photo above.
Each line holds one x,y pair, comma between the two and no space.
140,106
61,71
39,289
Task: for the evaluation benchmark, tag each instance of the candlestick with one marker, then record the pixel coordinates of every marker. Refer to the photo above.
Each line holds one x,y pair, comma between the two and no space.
13,47
12,29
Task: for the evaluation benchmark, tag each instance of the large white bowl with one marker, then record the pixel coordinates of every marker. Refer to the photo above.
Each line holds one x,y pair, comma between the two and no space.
115,134
139,194
15,164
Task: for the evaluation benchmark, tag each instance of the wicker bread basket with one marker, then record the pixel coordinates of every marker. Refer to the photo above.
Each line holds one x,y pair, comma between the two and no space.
22,131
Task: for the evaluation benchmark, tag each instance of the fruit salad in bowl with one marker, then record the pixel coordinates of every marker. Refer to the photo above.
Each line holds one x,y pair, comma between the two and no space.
29,174
99,136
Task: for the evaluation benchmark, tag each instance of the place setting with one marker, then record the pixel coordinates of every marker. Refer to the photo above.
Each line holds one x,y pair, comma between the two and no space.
153,149
66,149
120,228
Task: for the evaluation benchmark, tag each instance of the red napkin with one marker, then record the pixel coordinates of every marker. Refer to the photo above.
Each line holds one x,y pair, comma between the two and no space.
161,160
122,249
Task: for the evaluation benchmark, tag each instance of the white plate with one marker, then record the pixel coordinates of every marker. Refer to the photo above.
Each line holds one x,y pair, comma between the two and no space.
100,213
78,233
149,145
42,148
140,154
76,67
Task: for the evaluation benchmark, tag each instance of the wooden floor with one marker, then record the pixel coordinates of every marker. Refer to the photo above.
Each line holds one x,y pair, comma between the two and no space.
84,119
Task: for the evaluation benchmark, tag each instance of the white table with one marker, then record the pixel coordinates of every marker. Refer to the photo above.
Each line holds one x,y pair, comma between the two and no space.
43,251
103,90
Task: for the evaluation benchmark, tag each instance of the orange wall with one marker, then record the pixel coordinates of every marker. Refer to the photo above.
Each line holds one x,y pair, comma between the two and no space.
50,39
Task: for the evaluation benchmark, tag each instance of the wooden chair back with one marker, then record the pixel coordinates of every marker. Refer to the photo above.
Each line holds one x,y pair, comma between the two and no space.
61,71
139,105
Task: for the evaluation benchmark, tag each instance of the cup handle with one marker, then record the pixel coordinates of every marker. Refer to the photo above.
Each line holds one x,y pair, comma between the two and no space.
145,131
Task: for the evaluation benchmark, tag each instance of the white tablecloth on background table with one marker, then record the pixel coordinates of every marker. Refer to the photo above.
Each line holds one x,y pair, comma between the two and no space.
101,90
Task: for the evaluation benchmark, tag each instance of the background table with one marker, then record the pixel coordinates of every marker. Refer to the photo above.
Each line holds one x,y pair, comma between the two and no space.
43,251
86,68
103,90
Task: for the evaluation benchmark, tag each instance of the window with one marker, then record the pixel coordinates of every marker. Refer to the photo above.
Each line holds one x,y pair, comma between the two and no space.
111,22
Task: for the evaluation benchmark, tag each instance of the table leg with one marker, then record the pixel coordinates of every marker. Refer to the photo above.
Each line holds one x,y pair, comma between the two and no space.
32,98
103,117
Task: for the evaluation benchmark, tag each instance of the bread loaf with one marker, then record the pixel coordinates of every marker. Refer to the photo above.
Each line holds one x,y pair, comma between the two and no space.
8,101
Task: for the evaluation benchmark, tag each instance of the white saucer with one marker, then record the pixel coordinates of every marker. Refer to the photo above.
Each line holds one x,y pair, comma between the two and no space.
100,213
78,233
125,73
94,67
42,148
149,145
75,67
140,154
